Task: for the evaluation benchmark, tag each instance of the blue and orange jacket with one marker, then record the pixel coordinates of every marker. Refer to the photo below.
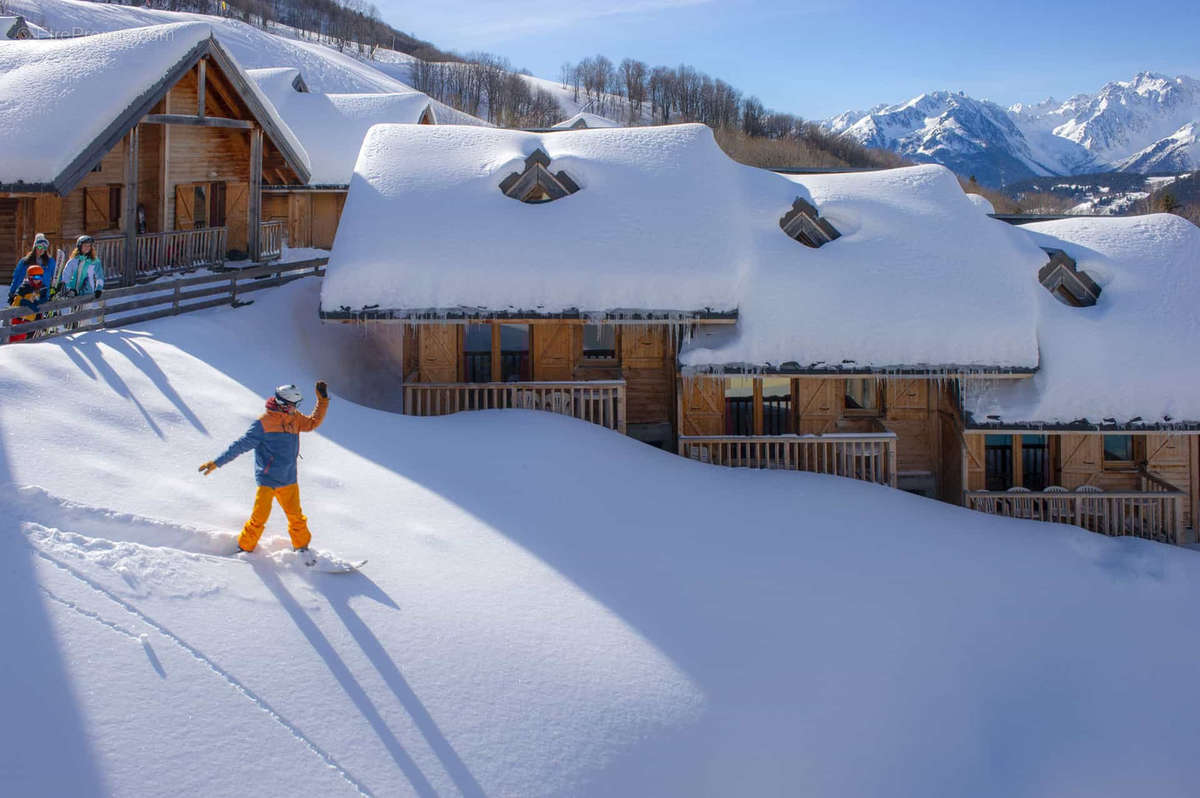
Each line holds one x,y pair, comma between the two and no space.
275,439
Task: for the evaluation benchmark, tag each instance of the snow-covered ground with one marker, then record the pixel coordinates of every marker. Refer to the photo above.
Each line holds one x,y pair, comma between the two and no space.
549,608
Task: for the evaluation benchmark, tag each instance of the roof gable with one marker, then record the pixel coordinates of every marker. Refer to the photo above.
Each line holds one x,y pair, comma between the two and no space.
128,70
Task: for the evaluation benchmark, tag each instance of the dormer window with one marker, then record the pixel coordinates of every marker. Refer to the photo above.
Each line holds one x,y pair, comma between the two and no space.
1069,285
537,183
804,224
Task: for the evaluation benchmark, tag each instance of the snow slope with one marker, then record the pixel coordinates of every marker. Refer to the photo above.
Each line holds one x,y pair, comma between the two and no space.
784,634
325,69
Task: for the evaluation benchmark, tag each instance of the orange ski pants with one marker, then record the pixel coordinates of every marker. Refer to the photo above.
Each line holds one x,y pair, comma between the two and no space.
289,499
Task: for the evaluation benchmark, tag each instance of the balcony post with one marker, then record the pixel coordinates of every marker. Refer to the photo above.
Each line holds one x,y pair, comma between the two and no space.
129,273
256,159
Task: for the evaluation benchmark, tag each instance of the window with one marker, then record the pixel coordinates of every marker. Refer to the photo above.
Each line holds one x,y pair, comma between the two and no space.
199,207
862,396
739,406
998,461
514,353
1118,450
477,353
777,406
599,342
1035,462
114,206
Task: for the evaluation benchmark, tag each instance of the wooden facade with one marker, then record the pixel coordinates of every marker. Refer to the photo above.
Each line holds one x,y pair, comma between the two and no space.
311,214
194,157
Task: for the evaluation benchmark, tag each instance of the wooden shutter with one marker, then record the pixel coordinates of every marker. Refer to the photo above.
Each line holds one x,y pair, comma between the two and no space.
439,349
47,216
185,217
553,353
1082,458
325,215
703,406
643,347
818,404
95,209
237,216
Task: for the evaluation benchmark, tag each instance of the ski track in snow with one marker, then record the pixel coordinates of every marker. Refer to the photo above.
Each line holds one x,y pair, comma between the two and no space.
197,654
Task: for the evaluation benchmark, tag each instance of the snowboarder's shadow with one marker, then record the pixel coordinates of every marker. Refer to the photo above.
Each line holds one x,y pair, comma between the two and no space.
338,591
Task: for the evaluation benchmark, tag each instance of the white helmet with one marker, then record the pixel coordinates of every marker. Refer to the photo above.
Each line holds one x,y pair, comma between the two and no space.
289,395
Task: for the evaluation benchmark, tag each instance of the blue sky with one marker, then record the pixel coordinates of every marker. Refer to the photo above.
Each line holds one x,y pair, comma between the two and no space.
816,59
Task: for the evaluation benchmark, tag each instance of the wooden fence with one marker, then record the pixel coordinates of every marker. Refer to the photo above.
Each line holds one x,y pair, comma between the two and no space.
119,307
271,240
870,457
1156,515
598,401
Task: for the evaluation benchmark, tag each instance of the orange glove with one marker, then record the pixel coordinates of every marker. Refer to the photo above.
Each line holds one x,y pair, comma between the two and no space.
208,468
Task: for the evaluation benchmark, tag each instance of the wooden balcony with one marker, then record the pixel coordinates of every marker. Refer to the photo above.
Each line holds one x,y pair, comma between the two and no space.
1155,514
162,253
599,402
870,457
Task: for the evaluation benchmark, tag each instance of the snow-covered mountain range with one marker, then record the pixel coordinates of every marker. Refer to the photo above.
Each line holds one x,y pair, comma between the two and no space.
1148,124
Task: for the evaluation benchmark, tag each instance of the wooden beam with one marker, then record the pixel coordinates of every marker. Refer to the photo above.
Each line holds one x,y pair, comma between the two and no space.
197,121
496,364
758,405
201,87
131,203
256,155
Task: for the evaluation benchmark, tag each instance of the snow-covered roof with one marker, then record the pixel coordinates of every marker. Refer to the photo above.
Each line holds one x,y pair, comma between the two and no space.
585,119
665,221
981,202
332,126
84,90
1132,355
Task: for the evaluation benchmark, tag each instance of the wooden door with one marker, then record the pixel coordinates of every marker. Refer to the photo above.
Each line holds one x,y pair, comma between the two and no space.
553,352
703,406
237,216
324,220
438,348
818,405
300,220
185,214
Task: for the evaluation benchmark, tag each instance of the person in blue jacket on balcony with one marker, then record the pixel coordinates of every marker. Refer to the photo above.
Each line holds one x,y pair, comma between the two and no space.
275,439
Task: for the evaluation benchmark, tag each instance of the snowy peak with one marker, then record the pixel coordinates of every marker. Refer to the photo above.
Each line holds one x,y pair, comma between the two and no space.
1179,152
1143,124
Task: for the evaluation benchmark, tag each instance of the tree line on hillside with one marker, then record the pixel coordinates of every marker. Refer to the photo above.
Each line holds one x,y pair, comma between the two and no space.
634,93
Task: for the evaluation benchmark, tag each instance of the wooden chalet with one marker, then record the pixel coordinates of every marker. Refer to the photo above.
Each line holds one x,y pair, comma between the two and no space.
331,127
168,175
949,319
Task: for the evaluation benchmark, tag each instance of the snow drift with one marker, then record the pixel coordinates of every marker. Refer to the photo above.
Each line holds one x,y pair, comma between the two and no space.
550,608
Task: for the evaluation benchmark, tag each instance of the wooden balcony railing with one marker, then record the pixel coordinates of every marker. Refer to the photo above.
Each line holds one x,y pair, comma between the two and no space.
162,253
870,457
271,240
598,401
1156,515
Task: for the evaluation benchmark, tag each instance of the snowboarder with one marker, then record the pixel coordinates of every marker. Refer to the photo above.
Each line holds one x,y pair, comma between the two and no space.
29,295
275,439
39,254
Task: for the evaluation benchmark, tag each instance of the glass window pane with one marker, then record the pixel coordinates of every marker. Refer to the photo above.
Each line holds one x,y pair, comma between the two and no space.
739,406
200,207
599,341
777,406
998,463
477,353
861,394
1118,447
514,352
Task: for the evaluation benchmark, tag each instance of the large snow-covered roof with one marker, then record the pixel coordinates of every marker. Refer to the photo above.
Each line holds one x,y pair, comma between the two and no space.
656,224
1132,354
332,126
59,96
585,119
664,220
